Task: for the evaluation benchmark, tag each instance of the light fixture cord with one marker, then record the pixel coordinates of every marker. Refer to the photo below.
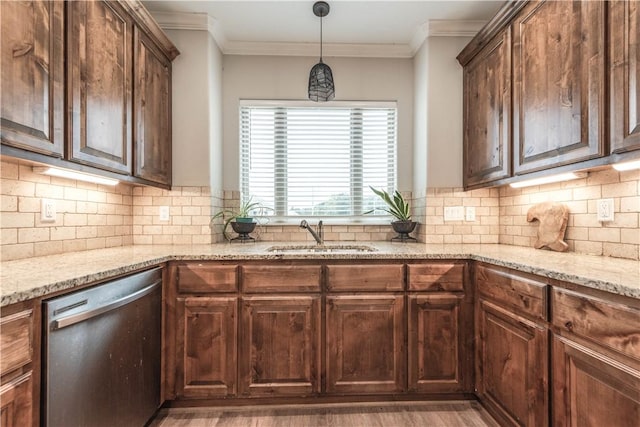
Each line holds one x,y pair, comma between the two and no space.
321,15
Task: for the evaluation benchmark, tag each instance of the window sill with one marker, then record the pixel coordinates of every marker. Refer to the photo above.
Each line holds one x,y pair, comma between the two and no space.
266,221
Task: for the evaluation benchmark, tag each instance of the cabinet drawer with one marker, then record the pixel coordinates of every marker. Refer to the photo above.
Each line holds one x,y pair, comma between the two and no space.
528,296
379,277
281,278
609,324
435,277
16,340
204,277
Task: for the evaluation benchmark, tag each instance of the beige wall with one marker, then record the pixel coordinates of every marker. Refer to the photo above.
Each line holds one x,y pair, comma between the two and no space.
286,78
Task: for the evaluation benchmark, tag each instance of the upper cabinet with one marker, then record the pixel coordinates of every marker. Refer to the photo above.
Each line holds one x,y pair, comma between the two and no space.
487,129
32,74
151,112
99,54
559,84
624,74
566,58
117,88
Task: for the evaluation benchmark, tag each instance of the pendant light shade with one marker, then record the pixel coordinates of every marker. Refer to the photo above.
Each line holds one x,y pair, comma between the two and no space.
321,87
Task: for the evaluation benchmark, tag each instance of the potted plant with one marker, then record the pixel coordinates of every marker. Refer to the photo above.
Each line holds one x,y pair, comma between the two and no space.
400,209
241,219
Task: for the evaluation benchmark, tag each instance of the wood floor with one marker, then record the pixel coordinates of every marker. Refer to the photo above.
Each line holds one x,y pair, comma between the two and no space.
401,414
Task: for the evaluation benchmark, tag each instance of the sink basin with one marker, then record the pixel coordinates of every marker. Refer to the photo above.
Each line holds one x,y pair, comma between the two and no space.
323,249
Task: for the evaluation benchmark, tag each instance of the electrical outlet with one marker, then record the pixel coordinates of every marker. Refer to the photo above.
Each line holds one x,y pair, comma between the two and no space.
454,213
48,210
164,213
604,209
470,213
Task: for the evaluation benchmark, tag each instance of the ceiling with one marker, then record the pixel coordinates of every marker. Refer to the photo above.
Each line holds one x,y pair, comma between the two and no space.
282,24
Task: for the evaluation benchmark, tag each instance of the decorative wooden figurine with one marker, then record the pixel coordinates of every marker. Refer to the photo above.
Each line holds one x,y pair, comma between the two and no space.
553,219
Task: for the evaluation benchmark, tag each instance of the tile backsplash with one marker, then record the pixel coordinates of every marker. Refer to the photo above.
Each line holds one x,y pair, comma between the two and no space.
91,216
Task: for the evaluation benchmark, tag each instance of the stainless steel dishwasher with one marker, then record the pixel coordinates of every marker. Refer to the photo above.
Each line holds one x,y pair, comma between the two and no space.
102,354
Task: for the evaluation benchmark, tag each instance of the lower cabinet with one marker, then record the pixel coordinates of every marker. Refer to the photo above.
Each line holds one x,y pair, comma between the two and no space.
513,368
280,346
206,346
439,356
512,346
16,402
591,389
365,344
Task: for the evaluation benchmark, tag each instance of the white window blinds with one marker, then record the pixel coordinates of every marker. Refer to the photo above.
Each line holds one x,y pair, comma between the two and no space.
317,161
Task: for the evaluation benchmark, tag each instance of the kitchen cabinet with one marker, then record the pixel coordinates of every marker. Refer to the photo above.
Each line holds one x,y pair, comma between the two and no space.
512,346
32,76
595,359
624,72
440,310
280,346
487,113
116,81
559,84
19,365
206,346
99,53
151,111
365,344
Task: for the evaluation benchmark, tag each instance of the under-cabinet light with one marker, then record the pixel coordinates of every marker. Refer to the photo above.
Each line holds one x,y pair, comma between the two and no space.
549,179
64,173
627,166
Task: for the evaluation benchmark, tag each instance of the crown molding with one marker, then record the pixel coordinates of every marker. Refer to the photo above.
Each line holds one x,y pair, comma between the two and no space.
204,22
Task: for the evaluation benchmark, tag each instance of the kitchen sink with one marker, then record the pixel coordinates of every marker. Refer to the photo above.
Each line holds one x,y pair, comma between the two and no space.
311,249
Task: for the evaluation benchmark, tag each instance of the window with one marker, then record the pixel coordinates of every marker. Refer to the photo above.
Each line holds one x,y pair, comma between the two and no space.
304,161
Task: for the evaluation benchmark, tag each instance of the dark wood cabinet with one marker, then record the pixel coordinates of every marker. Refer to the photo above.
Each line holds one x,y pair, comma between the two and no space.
16,407
151,112
19,364
206,346
624,74
591,389
487,113
512,346
558,84
280,346
99,73
595,359
365,344
32,75
438,351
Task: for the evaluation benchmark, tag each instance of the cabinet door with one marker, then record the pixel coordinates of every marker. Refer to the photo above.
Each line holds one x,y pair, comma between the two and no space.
365,344
151,112
559,79
206,346
280,346
624,67
487,113
512,367
590,389
32,75
440,355
100,48
16,407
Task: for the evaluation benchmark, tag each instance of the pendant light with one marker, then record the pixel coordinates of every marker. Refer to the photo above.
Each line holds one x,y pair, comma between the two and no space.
321,87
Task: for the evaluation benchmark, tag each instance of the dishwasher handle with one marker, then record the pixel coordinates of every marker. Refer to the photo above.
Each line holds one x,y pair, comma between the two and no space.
76,318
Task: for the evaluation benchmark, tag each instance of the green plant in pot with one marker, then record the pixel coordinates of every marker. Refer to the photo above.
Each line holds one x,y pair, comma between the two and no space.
400,209
242,219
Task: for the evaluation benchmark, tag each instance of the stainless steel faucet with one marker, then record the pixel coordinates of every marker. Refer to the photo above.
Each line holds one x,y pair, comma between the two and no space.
319,235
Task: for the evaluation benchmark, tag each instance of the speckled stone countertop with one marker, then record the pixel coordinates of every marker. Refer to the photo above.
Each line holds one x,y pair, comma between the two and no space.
34,277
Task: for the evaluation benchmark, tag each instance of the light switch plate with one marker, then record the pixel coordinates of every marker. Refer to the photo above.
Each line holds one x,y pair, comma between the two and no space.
470,213
48,210
604,209
164,213
454,213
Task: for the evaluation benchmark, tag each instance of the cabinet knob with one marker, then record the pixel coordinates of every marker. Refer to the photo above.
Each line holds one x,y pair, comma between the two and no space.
569,325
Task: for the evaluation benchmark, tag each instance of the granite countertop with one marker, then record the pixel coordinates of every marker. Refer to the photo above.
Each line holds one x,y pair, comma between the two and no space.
34,277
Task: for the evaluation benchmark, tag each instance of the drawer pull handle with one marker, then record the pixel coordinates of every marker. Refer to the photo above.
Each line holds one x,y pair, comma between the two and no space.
568,325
